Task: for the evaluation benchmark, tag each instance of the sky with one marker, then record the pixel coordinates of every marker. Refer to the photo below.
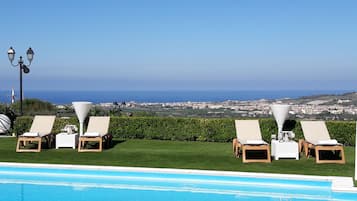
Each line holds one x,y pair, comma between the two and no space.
181,44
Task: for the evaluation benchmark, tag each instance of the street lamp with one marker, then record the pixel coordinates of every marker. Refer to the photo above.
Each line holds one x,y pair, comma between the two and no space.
23,67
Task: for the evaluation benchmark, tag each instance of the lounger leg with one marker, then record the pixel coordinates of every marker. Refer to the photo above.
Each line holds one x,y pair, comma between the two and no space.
48,141
301,145
79,144
39,145
51,140
107,140
234,144
268,154
306,149
110,140
317,155
244,159
342,156
100,144
19,142
238,149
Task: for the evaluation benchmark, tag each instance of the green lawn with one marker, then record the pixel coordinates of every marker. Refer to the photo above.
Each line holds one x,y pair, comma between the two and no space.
174,154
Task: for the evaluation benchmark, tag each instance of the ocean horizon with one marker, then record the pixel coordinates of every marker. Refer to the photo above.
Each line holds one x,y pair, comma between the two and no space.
156,96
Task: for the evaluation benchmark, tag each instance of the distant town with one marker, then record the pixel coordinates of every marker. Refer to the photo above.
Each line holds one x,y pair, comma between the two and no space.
326,107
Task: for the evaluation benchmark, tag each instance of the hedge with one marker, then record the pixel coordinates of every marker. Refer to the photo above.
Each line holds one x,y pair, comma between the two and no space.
193,129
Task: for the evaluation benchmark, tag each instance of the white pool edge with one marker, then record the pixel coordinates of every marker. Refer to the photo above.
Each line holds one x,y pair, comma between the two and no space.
339,184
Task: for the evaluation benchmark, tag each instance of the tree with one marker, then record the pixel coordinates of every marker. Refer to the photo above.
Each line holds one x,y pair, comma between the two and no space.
35,106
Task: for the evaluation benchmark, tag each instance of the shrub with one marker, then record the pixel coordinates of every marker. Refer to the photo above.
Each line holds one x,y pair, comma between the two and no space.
35,106
22,124
193,129
343,131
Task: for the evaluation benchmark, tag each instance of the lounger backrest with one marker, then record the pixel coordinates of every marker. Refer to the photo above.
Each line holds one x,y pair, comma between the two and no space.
314,131
248,130
42,124
98,125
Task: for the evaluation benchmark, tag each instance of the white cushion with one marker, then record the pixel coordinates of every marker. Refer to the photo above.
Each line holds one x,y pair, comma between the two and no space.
327,142
91,134
253,142
30,134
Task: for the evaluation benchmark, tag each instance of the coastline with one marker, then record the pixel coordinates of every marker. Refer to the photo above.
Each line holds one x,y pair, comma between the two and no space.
165,96
334,105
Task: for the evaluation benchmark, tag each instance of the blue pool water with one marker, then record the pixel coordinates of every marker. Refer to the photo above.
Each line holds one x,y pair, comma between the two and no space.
61,184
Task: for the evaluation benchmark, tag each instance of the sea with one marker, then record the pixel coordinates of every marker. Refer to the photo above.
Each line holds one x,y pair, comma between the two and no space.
66,97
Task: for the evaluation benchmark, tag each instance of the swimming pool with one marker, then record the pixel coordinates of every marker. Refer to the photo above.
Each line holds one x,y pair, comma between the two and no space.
37,182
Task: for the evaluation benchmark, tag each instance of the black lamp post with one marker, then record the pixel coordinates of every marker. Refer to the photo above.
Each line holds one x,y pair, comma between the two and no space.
23,67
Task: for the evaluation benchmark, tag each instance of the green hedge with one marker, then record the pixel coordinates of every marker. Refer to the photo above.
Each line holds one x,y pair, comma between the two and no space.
193,129
166,128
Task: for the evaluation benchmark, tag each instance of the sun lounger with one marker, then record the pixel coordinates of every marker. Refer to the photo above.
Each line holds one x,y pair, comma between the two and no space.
97,131
317,137
40,129
249,138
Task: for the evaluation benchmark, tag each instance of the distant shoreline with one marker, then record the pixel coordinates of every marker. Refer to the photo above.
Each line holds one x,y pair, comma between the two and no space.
156,96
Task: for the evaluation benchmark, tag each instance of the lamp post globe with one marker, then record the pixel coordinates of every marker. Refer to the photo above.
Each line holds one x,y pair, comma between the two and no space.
11,54
30,54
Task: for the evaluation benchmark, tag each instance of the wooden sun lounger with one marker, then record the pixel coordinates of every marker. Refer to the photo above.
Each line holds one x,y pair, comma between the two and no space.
40,129
97,131
248,131
315,132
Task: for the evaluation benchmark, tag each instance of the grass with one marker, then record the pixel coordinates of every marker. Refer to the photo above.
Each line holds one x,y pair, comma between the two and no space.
175,154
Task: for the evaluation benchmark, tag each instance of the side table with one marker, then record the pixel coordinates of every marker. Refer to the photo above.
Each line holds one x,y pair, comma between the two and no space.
66,140
288,149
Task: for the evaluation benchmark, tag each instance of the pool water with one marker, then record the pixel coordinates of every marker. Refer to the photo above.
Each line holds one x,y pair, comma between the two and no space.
77,184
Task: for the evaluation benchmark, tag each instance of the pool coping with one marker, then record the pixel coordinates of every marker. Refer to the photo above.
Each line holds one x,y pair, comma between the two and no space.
339,183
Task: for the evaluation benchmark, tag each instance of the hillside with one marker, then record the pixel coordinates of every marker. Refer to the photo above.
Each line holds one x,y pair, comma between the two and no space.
346,99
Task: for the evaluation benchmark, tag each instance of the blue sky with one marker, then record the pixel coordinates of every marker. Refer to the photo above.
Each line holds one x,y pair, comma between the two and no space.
183,44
